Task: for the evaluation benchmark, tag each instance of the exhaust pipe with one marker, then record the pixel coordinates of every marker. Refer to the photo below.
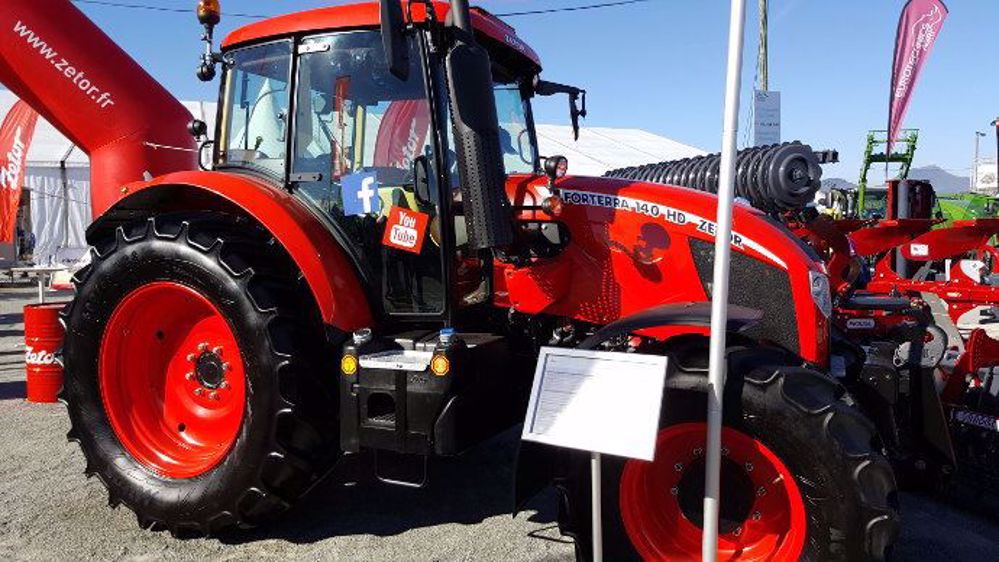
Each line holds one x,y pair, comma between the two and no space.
476,133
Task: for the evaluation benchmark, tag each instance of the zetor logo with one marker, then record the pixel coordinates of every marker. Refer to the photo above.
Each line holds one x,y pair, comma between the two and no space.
40,357
406,230
10,174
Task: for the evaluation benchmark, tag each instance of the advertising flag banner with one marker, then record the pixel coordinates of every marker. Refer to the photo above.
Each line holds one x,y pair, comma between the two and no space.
15,138
402,134
918,28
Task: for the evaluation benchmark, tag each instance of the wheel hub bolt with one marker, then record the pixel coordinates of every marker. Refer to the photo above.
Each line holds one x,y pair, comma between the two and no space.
757,516
761,491
226,367
199,391
749,467
203,347
189,376
225,385
214,395
678,467
217,350
724,451
737,531
191,357
698,452
674,491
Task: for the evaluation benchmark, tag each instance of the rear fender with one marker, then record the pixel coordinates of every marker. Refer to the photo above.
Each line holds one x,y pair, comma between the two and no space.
331,276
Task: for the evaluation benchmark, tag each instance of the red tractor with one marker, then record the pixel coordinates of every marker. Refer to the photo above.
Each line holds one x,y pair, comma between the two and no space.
371,265
914,311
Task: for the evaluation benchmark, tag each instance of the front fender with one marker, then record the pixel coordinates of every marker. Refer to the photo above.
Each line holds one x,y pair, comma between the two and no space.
331,276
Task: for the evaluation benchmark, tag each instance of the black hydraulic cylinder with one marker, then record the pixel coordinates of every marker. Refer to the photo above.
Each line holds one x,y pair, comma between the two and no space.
774,178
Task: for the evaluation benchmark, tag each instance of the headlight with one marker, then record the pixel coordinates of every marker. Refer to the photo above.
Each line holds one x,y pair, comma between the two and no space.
819,285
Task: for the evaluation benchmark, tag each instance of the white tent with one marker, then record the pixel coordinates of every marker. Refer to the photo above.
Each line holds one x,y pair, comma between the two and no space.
57,181
600,149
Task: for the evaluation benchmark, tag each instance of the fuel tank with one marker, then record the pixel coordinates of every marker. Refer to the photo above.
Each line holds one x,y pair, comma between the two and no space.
625,246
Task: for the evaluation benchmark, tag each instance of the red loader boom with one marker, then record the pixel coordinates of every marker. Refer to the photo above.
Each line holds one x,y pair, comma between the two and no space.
78,79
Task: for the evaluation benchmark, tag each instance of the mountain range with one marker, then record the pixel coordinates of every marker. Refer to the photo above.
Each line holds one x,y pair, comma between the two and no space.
942,180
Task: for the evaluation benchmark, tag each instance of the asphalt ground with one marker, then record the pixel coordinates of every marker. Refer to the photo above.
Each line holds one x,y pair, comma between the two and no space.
49,511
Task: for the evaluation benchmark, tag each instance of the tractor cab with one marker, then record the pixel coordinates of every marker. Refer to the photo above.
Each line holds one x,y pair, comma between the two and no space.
398,131
359,126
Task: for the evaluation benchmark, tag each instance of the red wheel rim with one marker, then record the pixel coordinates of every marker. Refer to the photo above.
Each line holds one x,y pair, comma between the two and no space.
763,514
172,380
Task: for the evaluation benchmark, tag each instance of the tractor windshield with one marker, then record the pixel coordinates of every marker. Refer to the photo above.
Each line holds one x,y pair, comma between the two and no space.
255,109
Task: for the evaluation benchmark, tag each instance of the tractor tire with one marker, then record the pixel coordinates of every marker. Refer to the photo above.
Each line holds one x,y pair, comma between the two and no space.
803,475
196,380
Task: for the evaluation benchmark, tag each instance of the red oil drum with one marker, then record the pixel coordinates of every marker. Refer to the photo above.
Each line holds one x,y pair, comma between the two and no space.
43,335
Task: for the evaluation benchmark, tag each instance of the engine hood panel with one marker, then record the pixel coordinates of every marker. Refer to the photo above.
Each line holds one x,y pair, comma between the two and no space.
631,247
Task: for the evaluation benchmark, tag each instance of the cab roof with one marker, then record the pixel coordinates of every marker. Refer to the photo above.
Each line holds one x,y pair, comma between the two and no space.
368,15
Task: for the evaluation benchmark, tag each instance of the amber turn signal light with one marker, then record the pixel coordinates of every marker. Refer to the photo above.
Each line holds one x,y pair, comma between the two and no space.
209,12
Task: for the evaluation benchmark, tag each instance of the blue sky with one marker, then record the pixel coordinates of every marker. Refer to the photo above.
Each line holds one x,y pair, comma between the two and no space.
660,66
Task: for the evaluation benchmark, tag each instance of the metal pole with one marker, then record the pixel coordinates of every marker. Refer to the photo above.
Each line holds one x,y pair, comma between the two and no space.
763,59
974,163
719,293
596,509
996,125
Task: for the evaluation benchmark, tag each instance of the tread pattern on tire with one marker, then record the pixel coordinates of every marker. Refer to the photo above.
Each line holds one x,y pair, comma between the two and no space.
302,444
800,394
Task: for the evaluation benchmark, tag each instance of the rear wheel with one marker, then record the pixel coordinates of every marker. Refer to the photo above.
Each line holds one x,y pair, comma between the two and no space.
193,375
802,475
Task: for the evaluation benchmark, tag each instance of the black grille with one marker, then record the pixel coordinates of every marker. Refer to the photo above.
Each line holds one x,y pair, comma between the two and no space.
754,284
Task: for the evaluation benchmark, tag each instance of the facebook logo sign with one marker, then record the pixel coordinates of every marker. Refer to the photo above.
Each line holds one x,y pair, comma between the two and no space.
360,194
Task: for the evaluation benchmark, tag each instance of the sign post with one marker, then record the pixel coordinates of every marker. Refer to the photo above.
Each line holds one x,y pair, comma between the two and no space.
597,401
596,507
719,294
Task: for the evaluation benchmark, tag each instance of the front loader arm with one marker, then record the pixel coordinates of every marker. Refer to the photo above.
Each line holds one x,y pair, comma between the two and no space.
54,58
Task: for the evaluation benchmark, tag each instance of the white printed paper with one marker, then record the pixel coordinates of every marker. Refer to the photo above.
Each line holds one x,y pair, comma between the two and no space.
766,122
920,250
597,401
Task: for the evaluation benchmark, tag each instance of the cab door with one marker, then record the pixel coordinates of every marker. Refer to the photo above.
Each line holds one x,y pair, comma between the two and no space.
365,157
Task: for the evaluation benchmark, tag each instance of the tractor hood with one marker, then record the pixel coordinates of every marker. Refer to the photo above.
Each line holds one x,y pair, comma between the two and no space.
632,245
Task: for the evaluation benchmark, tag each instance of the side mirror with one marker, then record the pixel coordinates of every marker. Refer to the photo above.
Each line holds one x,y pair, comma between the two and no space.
421,181
202,157
545,88
394,39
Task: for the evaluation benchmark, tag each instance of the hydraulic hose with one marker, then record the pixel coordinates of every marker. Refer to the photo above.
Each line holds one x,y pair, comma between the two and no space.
774,178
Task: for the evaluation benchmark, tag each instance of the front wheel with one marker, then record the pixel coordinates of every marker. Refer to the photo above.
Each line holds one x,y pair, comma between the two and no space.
193,375
802,475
